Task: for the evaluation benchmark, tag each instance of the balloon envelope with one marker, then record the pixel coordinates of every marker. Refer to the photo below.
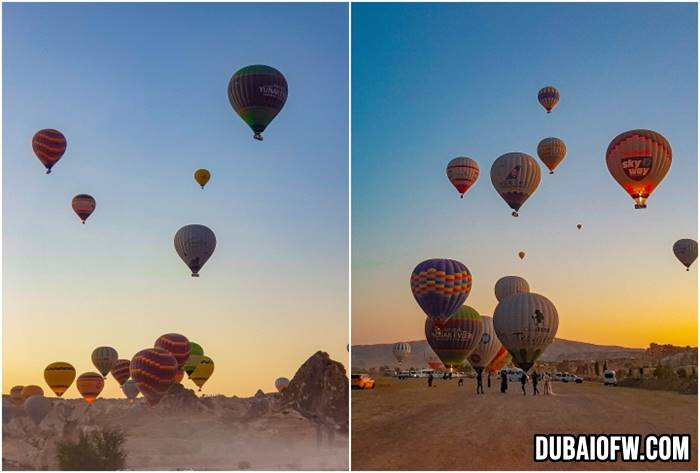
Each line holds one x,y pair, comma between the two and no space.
551,152
120,371
37,407
462,173
281,384
31,390
49,145
130,390
509,285
195,244
456,338
196,353
515,176
153,370
686,250
202,176
638,160
548,97
104,358
487,346
440,286
16,395
499,360
83,205
257,93
90,386
177,345
526,324
59,376
401,351
202,372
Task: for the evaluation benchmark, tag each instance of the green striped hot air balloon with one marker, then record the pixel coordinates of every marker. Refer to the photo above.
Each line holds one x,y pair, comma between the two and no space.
196,354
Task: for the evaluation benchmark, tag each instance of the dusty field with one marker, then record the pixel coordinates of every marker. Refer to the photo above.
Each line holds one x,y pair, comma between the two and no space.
404,425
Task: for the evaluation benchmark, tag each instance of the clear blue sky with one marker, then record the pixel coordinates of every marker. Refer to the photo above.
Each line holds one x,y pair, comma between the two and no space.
432,82
139,90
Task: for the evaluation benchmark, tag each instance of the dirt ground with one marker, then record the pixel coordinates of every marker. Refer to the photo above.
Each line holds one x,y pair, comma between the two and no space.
404,425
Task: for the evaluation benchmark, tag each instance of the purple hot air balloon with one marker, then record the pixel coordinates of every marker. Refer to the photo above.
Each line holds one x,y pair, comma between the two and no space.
440,287
154,371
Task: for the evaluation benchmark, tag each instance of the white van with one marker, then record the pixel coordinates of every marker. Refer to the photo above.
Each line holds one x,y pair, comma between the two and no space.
514,374
609,378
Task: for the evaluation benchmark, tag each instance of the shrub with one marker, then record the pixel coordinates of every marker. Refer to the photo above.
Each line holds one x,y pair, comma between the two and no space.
99,450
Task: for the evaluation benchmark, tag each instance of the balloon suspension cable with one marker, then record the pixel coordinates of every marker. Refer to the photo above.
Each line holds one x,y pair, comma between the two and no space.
258,136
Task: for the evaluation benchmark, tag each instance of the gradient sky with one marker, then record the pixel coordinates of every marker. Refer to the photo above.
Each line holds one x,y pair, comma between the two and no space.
139,90
432,82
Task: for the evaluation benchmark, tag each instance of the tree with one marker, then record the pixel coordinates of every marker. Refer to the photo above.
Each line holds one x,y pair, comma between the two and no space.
597,368
99,450
605,365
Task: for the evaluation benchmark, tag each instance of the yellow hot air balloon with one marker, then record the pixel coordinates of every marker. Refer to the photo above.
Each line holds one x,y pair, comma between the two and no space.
59,376
90,386
638,160
202,372
551,152
202,177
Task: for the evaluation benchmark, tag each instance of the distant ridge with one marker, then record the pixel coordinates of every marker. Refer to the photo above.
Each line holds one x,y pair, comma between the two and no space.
374,356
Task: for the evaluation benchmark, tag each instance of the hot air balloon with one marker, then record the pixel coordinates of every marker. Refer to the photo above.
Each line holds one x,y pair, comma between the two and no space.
154,371
104,358
83,205
130,390
257,94
402,351
515,176
548,98
31,390
456,338
462,173
178,377
686,250
196,353
281,384
440,287
638,160
177,345
37,407
202,372
16,395
59,376
49,145
509,285
551,152
90,386
521,254
579,226
202,177
499,360
525,324
195,245
486,348
120,371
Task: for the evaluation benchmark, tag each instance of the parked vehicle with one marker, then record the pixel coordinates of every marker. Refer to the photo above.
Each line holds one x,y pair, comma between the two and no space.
514,374
361,381
571,378
609,378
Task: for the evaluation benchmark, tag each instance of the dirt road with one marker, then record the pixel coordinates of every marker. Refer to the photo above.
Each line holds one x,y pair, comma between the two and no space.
404,425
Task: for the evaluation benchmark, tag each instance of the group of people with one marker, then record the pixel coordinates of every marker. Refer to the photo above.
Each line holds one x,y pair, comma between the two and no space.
545,378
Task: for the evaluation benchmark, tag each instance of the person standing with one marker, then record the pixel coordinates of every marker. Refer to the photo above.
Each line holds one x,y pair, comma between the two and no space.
547,383
488,380
504,382
479,383
430,380
535,380
523,382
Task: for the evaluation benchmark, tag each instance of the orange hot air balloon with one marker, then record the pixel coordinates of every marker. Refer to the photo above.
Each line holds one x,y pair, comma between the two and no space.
16,395
90,386
31,390
83,205
462,173
548,98
638,160
551,152
178,377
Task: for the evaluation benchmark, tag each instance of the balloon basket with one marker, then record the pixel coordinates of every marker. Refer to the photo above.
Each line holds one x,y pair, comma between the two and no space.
195,275
258,136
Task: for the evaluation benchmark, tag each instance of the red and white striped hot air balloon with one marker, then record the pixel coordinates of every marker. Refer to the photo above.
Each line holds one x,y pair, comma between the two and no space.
462,173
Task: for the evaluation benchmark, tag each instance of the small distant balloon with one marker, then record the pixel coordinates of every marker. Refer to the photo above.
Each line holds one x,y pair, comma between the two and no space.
16,395
31,390
202,177
257,93
639,160
281,384
686,250
551,152
104,359
195,244
83,205
521,254
203,372
196,353
579,226
548,97
402,351
462,173
90,386
59,376
49,145
130,390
